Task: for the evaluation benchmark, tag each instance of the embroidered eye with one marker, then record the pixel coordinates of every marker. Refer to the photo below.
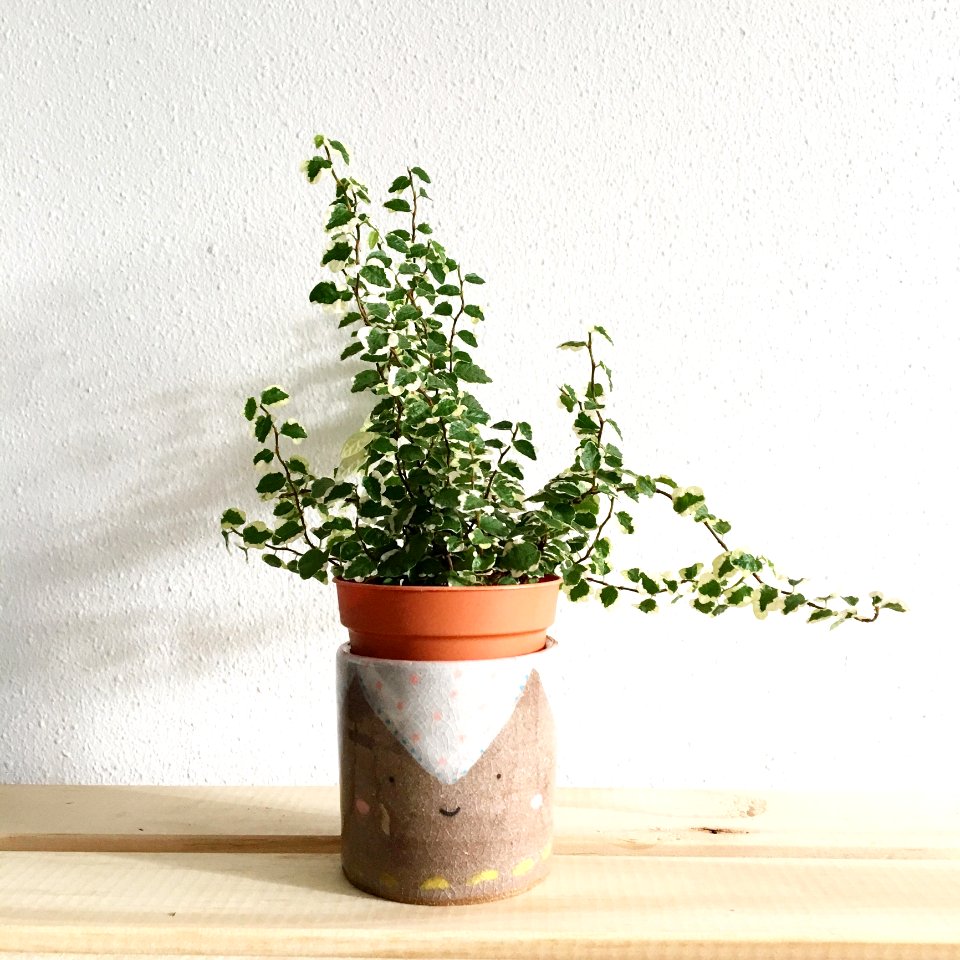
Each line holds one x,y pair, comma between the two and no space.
499,776
391,779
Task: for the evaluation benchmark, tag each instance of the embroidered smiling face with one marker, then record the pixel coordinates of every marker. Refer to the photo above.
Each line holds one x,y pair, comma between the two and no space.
412,836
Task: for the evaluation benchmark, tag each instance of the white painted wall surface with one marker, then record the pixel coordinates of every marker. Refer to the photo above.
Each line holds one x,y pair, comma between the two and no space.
760,200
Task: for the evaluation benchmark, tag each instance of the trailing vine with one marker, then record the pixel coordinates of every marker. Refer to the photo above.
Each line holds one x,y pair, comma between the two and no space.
431,491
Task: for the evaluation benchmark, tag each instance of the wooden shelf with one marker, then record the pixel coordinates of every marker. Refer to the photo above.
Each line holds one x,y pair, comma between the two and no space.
109,871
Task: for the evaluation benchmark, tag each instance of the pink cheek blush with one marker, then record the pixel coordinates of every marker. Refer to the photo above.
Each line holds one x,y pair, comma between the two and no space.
363,808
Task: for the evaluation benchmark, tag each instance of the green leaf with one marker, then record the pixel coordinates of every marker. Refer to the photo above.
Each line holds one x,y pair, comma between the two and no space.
819,615
364,380
262,428
272,560
350,349
375,275
853,601
740,595
473,278
467,337
711,588
625,521
400,245
325,292
685,501
647,606
408,312
250,408
472,310
894,605
448,498
443,309
271,483
792,601
256,534
340,215
748,562
579,590
338,252
522,556
649,584
379,310
448,290
603,333
609,595
437,271
361,567
490,524
646,486
273,395
722,527
526,448
589,456
401,183
767,595
399,205
320,487
341,149
293,430
287,531
470,372
316,166
421,173
232,518
311,563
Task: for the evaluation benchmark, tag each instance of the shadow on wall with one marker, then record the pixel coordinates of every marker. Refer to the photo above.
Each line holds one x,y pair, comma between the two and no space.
124,474
113,595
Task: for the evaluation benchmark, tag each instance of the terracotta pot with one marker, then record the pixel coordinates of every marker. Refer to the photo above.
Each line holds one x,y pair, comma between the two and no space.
446,776
447,623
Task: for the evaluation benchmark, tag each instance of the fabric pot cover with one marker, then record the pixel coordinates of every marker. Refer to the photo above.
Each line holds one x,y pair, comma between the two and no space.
446,776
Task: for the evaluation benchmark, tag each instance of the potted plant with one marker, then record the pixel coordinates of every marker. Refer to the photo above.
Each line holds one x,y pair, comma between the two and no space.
447,569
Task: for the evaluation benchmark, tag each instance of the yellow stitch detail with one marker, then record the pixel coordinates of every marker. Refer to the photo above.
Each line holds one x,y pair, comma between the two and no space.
547,850
435,883
389,880
524,866
483,876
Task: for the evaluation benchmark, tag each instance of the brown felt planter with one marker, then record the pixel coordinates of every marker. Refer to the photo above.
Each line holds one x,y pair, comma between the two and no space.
446,776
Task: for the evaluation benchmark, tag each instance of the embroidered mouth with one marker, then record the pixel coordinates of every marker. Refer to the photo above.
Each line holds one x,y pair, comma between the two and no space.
449,813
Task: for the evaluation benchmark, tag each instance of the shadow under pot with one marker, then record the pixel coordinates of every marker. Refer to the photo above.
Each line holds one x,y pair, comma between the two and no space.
446,776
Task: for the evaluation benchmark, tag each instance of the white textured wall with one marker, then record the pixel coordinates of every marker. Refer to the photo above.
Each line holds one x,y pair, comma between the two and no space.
760,200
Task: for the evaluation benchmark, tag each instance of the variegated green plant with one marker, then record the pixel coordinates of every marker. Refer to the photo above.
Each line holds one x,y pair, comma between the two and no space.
431,491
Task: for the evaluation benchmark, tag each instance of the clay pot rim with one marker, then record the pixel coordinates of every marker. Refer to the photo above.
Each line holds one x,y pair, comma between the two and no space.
430,588
344,651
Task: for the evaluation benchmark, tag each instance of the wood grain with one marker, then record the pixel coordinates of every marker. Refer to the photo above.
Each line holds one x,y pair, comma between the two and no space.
250,872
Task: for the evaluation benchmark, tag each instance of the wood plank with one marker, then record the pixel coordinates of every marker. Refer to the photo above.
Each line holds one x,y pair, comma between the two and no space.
589,821
591,907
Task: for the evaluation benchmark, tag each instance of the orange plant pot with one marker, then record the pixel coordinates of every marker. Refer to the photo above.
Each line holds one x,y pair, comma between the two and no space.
447,623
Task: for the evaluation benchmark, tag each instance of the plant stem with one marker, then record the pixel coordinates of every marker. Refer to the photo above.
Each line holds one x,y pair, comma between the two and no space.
290,483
